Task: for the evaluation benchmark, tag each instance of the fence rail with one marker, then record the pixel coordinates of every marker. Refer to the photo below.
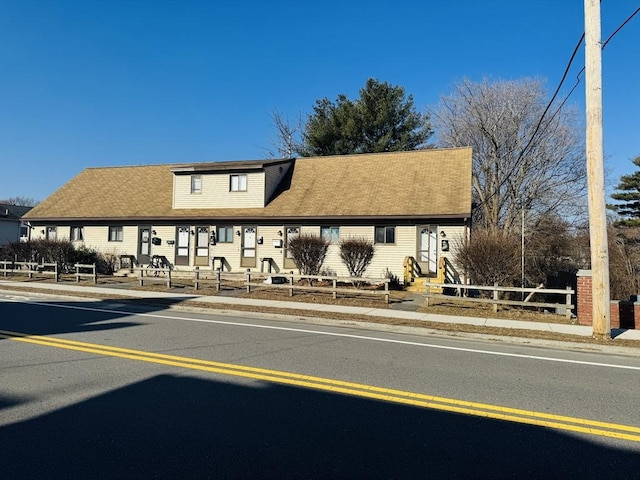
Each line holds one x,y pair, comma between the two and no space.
287,281
154,275
81,272
495,300
30,268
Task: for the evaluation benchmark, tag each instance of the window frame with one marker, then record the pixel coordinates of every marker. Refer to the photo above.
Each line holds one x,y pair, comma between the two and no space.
239,183
333,234
118,230
51,233
228,237
196,180
75,230
387,231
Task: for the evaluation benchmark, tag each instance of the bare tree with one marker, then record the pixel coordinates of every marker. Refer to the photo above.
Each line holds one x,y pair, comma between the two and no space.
522,158
20,201
287,142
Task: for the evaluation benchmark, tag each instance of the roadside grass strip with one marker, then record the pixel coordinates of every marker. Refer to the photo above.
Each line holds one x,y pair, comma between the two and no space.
496,412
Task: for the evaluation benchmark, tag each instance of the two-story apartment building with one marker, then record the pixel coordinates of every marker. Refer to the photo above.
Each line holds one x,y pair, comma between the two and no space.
241,214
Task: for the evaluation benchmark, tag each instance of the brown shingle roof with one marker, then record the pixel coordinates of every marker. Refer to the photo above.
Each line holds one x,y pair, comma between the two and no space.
423,183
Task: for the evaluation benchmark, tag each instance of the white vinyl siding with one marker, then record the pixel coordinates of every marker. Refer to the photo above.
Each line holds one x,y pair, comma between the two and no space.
389,256
215,192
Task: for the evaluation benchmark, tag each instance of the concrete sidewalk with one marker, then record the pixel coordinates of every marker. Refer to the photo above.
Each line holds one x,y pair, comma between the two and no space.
578,330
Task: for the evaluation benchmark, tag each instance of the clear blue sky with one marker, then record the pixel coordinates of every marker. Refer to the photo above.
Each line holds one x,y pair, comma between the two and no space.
123,82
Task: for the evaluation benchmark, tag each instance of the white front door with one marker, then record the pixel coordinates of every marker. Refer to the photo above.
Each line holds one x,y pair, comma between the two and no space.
428,248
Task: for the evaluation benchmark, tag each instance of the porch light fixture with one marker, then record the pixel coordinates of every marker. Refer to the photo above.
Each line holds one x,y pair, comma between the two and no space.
153,232
279,233
237,233
442,234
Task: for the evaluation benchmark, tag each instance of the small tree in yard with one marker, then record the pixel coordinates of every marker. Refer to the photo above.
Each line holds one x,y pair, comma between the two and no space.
309,252
356,254
490,256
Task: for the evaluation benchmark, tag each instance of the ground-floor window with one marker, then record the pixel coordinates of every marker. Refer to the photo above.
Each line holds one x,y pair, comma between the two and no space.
116,233
52,233
385,234
225,234
77,234
330,234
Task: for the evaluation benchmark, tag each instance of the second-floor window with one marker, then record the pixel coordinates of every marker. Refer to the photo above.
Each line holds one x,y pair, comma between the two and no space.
196,184
239,183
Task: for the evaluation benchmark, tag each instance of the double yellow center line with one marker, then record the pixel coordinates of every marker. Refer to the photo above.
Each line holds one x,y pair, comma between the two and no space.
591,427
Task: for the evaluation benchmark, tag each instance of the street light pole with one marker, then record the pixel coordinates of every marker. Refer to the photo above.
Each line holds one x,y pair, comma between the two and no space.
601,301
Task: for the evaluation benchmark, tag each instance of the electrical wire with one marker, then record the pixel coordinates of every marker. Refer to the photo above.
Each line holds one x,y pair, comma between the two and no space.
555,94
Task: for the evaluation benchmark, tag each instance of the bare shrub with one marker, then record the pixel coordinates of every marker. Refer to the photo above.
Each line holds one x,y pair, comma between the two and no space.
490,257
309,252
356,253
107,262
624,262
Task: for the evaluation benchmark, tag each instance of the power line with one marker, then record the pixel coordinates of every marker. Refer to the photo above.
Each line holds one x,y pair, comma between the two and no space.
555,94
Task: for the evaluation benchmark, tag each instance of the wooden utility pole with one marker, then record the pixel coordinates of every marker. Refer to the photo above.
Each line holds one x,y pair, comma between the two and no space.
595,172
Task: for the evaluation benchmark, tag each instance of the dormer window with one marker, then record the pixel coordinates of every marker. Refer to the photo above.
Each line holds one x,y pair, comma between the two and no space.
196,184
238,183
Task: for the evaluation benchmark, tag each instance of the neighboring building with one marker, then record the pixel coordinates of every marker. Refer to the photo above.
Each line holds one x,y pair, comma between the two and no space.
239,215
11,227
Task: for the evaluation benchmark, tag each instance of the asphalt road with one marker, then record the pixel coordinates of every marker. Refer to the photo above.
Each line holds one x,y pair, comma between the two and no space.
106,389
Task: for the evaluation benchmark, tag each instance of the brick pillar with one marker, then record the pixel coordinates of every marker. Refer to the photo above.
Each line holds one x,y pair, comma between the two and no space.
584,308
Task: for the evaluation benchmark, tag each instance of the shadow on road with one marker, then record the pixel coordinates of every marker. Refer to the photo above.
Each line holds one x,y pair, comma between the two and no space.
184,427
54,317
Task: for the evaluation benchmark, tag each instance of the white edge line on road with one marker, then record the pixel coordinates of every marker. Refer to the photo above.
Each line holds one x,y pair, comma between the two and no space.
333,334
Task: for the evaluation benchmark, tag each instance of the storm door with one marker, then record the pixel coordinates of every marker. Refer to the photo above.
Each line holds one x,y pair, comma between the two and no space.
202,246
248,255
427,254
182,245
290,233
144,244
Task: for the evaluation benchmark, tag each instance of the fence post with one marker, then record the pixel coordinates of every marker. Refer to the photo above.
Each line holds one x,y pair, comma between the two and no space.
218,279
248,280
77,273
495,297
56,272
168,278
95,274
196,277
567,311
142,277
386,290
291,284
335,285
